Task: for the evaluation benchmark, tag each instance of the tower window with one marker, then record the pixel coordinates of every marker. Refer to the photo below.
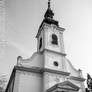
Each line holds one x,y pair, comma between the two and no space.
54,39
40,43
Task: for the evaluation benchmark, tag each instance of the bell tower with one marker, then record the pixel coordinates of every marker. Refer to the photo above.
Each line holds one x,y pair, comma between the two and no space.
50,35
50,40
51,45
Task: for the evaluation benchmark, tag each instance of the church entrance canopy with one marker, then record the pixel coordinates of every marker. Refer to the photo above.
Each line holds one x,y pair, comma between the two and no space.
65,86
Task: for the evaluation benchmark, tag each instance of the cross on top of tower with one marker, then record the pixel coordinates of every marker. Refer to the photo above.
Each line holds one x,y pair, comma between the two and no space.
49,4
49,13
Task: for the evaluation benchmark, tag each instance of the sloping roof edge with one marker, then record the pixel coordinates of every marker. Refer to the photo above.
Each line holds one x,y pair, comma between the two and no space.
60,86
11,79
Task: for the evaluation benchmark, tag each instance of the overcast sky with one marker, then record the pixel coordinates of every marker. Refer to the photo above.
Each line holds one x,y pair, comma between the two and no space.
24,18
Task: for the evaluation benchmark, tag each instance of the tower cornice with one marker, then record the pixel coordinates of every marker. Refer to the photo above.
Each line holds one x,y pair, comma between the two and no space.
46,24
63,54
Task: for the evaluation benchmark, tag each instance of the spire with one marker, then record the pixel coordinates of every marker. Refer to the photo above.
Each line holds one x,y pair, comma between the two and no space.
49,4
49,13
48,17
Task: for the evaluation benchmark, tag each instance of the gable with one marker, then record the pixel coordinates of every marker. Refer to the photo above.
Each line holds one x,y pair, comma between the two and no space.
68,85
64,86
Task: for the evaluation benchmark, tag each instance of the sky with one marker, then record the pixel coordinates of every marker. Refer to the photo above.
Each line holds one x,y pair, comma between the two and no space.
23,18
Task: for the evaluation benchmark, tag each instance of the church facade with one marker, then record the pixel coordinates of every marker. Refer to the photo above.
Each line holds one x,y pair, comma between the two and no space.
48,69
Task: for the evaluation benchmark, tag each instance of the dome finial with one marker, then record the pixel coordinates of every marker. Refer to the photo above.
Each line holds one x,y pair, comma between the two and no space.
49,13
49,4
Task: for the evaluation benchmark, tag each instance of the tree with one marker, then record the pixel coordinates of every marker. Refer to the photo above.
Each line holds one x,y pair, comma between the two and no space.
2,82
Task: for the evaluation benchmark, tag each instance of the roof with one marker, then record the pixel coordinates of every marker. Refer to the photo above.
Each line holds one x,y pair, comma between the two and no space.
64,85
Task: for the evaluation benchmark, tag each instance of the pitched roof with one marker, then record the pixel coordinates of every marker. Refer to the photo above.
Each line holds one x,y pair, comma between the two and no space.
66,85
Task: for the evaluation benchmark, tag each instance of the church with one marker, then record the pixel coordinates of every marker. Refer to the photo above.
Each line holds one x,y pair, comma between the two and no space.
48,69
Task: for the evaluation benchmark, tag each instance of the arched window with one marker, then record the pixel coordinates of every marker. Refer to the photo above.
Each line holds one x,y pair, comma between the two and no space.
54,39
40,43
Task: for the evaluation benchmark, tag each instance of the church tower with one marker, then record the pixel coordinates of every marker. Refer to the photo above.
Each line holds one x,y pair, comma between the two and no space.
50,35
48,69
50,41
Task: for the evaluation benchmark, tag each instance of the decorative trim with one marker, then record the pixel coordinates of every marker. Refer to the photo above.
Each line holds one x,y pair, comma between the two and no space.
31,69
62,85
40,29
56,72
77,78
40,70
52,25
54,52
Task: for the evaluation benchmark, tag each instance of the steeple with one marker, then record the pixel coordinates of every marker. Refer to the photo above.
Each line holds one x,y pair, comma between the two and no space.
48,17
48,34
49,4
49,13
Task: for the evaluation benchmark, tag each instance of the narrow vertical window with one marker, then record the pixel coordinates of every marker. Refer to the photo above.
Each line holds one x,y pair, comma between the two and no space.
54,39
40,43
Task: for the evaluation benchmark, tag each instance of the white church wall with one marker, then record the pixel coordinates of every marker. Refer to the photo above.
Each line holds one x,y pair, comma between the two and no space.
50,58
71,69
36,60
50,79
27,82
